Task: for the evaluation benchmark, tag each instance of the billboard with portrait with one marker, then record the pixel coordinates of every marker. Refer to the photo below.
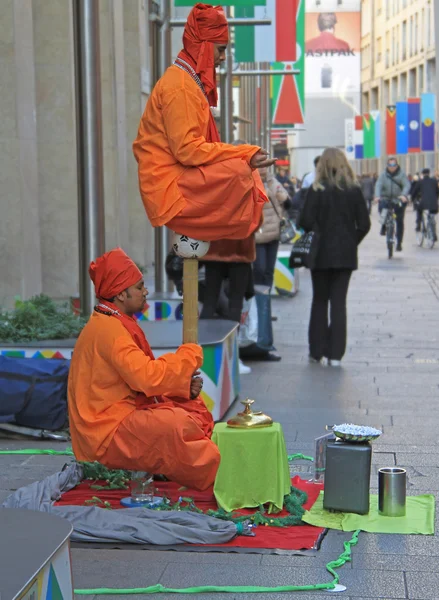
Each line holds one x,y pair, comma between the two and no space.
332,51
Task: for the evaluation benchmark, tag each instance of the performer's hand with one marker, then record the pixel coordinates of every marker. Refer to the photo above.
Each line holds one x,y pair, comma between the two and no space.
196,386
260,159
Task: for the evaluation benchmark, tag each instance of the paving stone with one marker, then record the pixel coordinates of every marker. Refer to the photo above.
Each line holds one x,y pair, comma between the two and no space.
394,562
417,460
423,585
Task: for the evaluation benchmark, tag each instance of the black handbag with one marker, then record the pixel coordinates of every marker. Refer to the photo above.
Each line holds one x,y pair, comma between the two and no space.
304,251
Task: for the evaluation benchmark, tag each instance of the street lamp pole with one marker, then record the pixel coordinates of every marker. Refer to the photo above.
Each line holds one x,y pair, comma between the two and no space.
89,144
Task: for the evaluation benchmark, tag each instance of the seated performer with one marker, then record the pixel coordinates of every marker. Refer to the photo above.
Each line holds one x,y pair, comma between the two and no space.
189,180
127,409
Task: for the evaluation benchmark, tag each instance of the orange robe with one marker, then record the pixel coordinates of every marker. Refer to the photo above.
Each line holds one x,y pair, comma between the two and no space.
197,188
129,411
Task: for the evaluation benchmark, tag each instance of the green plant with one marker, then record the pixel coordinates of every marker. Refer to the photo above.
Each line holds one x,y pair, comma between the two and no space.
39,318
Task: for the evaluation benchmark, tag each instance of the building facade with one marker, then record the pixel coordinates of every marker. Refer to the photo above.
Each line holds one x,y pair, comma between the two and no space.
397,62
38,171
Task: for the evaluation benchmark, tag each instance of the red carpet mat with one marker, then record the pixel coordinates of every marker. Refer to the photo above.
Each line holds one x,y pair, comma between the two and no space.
298,537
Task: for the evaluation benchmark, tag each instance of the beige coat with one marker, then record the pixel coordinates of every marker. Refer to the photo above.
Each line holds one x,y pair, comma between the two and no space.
277,195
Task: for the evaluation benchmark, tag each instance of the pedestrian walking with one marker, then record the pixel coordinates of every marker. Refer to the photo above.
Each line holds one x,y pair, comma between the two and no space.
335,208
368,187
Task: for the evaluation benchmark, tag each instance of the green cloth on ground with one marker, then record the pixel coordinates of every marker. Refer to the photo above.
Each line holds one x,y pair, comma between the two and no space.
254,467
419,517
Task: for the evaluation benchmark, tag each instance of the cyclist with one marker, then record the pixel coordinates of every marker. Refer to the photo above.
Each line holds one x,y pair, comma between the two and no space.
426,191
393,186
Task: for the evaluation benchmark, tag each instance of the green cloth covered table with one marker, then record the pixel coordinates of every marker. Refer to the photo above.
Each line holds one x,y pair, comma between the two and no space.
254,467
419,517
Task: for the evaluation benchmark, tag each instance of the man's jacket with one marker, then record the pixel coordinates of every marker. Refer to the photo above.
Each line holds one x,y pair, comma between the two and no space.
390,186
426,190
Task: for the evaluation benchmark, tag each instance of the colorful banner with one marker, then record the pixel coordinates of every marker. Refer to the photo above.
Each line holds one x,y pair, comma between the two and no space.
359,137
349,143
402,135
332,46
414,122
267,43
428,122
369,136
288,91
376,118
391,130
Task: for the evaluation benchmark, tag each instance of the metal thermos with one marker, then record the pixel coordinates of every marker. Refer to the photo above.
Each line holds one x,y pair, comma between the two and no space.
392,482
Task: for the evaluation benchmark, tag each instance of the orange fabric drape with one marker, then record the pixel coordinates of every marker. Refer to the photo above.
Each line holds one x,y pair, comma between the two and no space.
117,389
179,163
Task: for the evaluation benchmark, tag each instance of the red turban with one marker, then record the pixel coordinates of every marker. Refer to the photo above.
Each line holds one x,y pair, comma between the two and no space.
206,25
112,273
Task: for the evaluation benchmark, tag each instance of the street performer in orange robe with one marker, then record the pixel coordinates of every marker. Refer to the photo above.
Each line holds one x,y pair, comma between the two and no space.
189,180
127,409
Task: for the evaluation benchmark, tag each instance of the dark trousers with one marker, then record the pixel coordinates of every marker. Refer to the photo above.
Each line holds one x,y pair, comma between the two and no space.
330,287
400,215
263,267
216,272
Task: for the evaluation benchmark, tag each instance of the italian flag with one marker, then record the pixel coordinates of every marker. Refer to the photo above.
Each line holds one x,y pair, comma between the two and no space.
267,43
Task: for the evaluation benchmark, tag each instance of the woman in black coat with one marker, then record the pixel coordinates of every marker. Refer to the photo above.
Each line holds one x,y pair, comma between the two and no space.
335,207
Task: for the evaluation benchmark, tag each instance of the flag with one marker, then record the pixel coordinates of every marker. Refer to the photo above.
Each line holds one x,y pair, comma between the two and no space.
402,134
428,122
369,136
391,130
359,137
376,118
267,43
414,121
288,91
349,145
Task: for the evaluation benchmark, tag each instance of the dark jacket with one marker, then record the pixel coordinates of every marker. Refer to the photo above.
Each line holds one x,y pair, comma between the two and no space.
342,220
368,187
426,190
391,186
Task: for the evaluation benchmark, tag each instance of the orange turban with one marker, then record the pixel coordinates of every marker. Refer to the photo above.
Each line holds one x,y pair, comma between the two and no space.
112,273
206,25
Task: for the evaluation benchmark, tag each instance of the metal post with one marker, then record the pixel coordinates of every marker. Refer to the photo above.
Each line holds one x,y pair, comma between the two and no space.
226,105
161,234
89,144
436,39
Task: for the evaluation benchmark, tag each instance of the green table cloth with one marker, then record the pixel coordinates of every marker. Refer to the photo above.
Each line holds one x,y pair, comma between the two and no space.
254,467
419,517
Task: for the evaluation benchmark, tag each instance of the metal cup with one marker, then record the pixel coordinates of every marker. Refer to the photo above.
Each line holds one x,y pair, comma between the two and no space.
392,482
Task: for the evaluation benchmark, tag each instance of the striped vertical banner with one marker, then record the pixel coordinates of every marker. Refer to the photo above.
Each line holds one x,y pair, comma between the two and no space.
414,121
428,122
349,143
359,137
376,118
402,134
391,130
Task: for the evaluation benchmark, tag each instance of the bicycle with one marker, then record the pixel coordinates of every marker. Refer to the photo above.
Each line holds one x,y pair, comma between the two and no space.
388,218
427,233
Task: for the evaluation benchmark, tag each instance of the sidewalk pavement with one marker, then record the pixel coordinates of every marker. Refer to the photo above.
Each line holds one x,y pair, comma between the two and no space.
389,379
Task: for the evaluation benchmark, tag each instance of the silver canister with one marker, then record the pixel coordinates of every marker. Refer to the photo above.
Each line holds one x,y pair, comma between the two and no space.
392,483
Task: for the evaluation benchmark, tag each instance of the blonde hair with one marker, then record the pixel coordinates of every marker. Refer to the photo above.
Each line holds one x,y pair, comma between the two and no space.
333,169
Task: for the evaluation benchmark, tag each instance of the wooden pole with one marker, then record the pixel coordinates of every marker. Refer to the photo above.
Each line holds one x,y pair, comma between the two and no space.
190,301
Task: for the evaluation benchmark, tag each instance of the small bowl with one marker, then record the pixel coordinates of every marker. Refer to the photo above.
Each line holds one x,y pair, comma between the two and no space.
359,437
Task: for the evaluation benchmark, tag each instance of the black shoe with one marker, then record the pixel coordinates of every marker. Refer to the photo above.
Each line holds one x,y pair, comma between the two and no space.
274,318
383,230
267,357
418,228
399,248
